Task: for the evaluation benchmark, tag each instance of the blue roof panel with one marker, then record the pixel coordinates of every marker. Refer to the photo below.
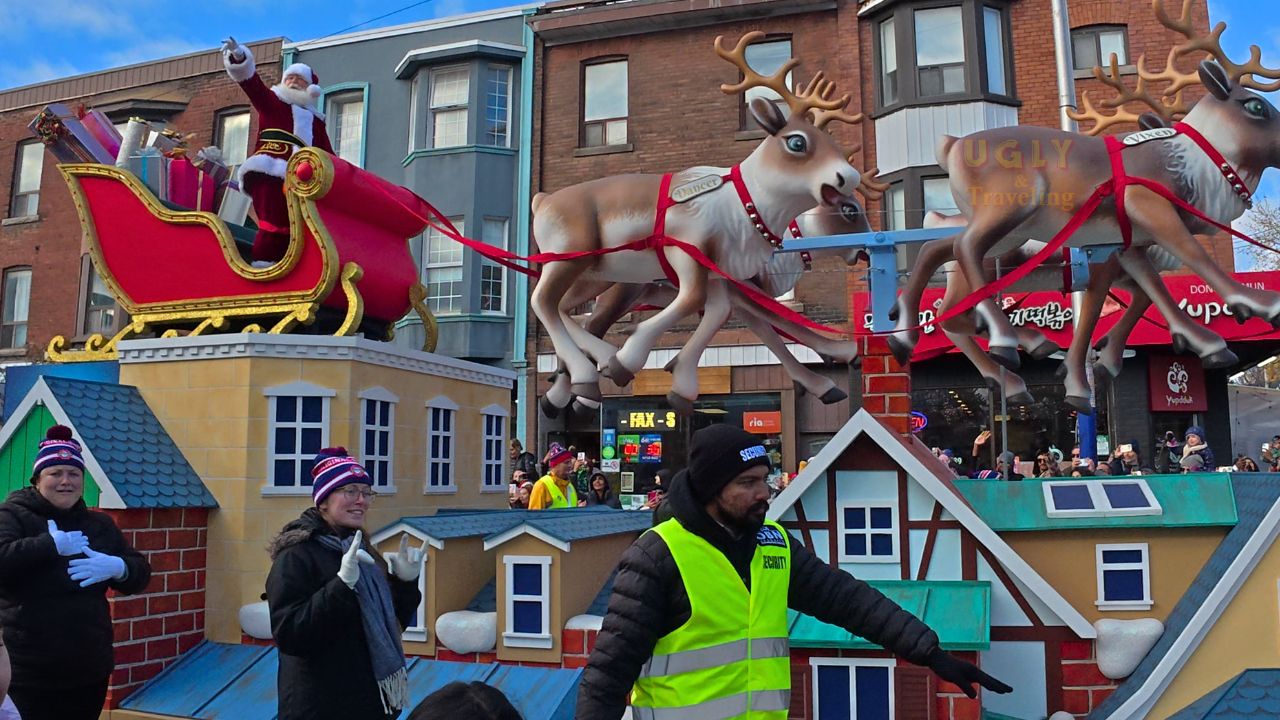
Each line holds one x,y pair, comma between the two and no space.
137,455
1251,695
538,692
186,686
428,676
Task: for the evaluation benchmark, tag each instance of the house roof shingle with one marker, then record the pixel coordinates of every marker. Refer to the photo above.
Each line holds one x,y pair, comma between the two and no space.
1251,695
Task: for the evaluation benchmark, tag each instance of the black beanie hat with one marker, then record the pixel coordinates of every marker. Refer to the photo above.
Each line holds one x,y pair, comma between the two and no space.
718,454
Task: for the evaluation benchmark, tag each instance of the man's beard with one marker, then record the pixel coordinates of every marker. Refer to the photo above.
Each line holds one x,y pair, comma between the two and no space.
301,98
749,522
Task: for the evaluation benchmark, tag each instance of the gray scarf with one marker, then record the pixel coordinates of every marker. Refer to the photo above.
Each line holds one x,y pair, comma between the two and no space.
381,631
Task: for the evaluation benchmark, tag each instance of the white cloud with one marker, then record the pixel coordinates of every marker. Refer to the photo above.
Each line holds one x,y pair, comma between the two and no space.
16,75
71,17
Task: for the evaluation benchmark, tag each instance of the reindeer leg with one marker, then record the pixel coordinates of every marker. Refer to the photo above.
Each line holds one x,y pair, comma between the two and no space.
684,367
1110,358
1187,334
841,351
986,228
1076,383
906,312
1037,345
558,396
997,377
817,385
611,305
556,281
689,299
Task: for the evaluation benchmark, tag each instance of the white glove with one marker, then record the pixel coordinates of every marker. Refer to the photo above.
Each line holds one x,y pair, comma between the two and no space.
68,543
96,567
232,50
349,568
406,564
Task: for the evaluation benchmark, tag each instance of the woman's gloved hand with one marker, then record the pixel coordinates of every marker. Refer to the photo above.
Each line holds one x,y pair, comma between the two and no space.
68,543
96,567
349,568
407,563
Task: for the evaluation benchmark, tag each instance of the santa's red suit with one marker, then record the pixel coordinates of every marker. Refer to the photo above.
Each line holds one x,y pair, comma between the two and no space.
284,126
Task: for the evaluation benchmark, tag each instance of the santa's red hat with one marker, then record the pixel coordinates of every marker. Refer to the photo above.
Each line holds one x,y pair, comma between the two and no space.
305,72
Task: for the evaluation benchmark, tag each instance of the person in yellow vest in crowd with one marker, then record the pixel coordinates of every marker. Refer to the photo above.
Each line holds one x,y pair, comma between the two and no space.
697,623
555,489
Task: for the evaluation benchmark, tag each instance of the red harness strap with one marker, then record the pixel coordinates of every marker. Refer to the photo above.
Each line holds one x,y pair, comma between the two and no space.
654,241
805,256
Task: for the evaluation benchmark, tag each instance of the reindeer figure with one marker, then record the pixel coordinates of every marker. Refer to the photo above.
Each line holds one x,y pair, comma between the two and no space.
795,168
1237,122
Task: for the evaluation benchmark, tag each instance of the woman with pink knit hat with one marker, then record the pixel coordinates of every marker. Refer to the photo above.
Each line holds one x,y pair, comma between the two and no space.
58,558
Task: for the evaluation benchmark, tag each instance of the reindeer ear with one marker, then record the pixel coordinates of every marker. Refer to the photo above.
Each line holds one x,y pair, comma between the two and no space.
1151,121
767,115
1215,79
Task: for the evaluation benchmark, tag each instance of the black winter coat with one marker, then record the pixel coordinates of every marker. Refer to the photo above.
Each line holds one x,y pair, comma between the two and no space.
649,601
54,628
325,669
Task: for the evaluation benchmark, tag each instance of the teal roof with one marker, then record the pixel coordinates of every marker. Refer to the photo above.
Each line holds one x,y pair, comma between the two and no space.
1198,500
137,455
959,611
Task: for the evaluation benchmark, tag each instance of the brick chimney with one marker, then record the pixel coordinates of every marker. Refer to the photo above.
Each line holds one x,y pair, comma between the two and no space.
886,384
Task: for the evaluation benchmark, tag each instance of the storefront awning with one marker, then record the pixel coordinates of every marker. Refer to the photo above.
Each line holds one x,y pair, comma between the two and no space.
959,611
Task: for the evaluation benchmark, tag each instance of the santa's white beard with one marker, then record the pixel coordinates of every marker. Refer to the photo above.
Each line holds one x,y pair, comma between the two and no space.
301,98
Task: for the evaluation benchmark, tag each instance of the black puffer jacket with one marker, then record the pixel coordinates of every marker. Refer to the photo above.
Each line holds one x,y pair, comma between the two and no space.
649,601
325,669
54,628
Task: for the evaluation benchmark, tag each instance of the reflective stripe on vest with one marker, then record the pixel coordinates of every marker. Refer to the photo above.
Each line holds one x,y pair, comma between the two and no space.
558,499
731,659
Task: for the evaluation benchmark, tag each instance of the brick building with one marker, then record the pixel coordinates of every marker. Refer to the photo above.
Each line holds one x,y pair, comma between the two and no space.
986,64
48,285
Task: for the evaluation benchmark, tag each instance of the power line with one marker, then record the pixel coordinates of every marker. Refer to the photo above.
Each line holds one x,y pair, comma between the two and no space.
373,20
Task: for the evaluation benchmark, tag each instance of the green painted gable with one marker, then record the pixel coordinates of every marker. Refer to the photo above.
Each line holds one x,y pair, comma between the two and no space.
959,611
1195,500
19,453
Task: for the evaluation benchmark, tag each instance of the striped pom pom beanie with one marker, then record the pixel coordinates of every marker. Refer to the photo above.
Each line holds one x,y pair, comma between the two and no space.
58,448
334,467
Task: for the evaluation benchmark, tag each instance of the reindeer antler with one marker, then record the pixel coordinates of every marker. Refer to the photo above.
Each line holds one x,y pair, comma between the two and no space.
870,187
813,95
1124,95
1246,74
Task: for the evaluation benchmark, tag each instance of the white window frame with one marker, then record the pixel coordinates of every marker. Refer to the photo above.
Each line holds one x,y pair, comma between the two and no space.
443,404
489,70
20,153
1101,504
220,131
604,122
487,264
464,108
334,103
868,532
852,664
501,416
379,394
417,632
510,637
1144,565
8,275
432,301
413,112
294,391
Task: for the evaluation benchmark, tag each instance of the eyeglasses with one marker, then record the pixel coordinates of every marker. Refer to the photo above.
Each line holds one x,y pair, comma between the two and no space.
351,493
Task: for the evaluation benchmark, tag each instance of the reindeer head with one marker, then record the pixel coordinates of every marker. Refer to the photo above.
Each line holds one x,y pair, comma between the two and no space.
799,157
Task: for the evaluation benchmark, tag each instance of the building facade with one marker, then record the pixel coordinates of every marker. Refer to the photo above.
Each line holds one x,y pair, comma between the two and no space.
438,107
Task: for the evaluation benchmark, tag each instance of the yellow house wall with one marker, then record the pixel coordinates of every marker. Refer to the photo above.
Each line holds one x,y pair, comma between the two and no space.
216,413
1068,561
528,545
1246,636
586,568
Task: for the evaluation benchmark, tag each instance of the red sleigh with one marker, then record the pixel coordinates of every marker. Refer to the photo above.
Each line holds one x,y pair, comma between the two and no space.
181,272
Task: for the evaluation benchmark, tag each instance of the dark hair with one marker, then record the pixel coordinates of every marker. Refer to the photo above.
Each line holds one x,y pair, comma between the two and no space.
473,700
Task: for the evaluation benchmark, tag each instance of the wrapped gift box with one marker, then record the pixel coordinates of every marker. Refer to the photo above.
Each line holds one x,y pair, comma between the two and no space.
210,161
133,140
152,169
101,127
67,138
235,205
170,143
189,186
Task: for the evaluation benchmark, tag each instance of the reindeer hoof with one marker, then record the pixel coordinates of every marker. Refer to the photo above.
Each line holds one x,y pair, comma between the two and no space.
671,365
1080,404
1005,356
833,396
679,403
1241,311
548,408
1102,343
993,384
893,312
1102,373
587,391
1061,372
584,406
1043,350
620,375
1220,359
827,359
1023,398
901,350
1180,343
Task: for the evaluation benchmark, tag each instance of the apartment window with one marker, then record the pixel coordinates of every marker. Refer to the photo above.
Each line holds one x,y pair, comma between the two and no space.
26,179
939,51
493,455
1124,577
888,63
853,689
1092,46
868,532
298,426
16,306
231,135
765,58
528,601
895,208
938,197
345,113
493,275
441,439
993,40
450,88
100,313
444,270
604,104
497,106
377,435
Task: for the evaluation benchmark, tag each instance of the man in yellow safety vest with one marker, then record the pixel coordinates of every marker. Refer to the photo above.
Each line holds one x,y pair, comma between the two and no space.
697,624
555,489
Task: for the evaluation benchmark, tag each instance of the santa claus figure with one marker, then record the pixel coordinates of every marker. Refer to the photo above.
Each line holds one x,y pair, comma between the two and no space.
288,119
